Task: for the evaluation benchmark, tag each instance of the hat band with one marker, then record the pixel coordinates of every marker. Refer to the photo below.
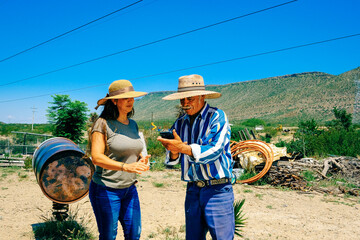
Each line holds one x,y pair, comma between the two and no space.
195,88
122,90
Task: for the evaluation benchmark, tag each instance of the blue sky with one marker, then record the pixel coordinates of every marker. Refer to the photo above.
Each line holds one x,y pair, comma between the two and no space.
28,23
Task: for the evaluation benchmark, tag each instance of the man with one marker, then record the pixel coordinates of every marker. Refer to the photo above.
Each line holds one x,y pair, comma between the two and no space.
202,145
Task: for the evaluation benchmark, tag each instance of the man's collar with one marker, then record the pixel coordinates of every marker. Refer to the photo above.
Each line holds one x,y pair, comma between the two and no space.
202,112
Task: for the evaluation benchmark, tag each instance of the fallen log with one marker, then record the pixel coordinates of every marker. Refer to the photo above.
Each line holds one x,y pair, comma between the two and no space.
329,163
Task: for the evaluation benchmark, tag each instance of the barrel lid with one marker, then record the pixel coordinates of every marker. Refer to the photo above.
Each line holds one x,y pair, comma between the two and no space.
62,170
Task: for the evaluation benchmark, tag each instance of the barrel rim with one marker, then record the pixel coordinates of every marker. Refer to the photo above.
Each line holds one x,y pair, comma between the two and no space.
92,169
48,140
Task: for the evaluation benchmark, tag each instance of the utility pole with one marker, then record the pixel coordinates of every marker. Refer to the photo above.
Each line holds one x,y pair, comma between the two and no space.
32,124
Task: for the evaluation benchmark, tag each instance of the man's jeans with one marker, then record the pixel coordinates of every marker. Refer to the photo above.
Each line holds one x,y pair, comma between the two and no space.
112,205
209,209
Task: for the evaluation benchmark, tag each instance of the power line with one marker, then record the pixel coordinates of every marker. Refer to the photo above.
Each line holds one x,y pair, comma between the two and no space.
250,56
63,34
150,43
199,66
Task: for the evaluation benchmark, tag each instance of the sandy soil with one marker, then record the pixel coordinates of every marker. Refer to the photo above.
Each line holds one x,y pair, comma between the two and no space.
271,213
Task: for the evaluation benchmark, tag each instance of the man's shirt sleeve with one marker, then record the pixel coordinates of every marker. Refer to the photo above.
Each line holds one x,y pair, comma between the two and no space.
216,137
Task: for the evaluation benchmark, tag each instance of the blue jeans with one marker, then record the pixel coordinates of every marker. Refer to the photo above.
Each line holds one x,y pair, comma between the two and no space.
112,205
209,209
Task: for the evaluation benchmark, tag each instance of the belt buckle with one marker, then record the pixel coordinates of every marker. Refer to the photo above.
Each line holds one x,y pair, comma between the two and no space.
200,184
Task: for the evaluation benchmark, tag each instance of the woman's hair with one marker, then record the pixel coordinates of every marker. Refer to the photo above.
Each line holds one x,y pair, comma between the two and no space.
110,112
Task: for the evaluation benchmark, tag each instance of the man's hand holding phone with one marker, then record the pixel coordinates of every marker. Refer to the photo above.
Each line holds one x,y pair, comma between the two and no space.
175,145
167,134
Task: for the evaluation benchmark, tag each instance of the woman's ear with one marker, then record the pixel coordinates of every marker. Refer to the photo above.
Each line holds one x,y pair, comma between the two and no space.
114,101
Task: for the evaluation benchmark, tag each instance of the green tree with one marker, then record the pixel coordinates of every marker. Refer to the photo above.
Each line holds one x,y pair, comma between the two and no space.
342,119
91,120
306,137
68,117
309,127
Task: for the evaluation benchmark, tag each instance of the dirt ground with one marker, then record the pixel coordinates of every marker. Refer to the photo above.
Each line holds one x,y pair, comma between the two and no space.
271,213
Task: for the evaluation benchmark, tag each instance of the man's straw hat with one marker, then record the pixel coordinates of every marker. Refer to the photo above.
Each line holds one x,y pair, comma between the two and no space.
120,89
190,86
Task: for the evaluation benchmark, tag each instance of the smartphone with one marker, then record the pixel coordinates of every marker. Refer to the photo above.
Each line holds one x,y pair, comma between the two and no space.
167,134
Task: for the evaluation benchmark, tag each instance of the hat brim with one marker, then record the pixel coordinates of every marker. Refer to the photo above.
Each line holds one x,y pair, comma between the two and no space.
180,95
132,94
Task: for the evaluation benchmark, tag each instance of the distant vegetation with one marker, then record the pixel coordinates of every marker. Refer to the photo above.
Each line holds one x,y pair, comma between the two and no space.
6,129
340,137
336,137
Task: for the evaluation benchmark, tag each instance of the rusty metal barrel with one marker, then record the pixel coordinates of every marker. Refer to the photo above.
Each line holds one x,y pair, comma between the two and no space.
61,170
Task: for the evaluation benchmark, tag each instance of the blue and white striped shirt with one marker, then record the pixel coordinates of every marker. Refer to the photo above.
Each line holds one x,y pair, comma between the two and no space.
209,139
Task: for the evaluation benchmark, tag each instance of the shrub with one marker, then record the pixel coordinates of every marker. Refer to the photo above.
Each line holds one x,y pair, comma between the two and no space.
28,162
339,139
252,122
154,147
235,133
308,175
71,228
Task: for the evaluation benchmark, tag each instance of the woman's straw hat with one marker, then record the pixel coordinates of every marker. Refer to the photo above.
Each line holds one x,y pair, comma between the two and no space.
191,85
120,89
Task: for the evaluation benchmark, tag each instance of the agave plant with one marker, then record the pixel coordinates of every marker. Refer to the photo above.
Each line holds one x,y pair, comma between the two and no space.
239,217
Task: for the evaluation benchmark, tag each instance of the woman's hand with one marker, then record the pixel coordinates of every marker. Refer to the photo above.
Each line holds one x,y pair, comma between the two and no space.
145,159
137,167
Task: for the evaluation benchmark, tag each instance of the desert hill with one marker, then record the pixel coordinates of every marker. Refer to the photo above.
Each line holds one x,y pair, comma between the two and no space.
285,99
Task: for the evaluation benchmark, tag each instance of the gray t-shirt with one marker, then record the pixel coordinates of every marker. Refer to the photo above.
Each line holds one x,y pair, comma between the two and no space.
125,145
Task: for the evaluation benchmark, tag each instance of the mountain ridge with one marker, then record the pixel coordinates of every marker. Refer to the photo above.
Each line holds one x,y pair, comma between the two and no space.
286,99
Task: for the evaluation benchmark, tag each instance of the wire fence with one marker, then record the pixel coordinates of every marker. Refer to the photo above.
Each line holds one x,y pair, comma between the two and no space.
17,150
22,151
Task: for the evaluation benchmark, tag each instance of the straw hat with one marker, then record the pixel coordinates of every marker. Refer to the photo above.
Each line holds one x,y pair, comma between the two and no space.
120,89
191,85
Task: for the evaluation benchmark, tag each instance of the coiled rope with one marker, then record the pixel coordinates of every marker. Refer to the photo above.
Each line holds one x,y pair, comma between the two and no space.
251,146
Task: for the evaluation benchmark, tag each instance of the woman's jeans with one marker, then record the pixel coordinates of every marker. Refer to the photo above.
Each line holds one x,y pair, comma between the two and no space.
112,205
209,209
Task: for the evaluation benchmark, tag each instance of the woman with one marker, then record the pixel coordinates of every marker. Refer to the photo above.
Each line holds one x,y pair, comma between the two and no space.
116,152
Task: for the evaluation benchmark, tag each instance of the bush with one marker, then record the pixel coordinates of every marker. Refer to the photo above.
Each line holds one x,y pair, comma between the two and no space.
154,147
339,139
253,122
280,144
235,133
339,142
308,175
74,227
266,138
28,162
